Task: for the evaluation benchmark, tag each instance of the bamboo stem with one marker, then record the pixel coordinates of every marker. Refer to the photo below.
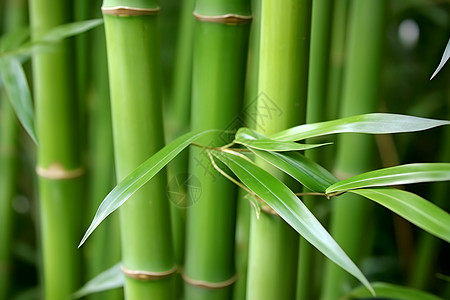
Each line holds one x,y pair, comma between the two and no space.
14,18
134,73
103,250
220,52
284,53
359,96
57,130
317,79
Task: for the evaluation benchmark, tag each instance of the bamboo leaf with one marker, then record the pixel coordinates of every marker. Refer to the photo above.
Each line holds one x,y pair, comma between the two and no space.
70,29
107,280
444,59
392,291
281,199
252,139
403,174
375,123
16,86
54,35
14,39
307,172
412,207
140,176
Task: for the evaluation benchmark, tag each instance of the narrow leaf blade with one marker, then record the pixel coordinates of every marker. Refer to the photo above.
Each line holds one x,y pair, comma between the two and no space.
444,59
403,174
307,172
255,140
392,291
140,176
14,39
413,208
55,35
107,280
16,86
376,123
281,199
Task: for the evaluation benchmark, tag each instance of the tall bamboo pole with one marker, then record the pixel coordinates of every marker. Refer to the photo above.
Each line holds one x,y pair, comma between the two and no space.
103,250
243,206
8,183
58,163
220,50
283,69
308,270
355,151
14,18
134,74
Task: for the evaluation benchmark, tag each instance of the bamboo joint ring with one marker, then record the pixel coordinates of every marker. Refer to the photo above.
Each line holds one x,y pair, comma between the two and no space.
229,19
209,285
146,275
126,11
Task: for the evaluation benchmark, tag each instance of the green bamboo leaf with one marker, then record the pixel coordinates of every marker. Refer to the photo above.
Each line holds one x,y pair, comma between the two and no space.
16,86
140,176
376,123
55,35
403,174
412,207
70,29
392,291
310,174
14,39
444,59
255,140
107,280
281,199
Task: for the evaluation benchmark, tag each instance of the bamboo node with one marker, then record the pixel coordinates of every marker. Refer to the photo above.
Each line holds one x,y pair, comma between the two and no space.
207,284
126,11
147,275
56,171
229,19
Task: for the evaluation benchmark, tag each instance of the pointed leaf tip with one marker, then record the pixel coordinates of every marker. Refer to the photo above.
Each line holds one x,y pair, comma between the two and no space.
141,175
444,59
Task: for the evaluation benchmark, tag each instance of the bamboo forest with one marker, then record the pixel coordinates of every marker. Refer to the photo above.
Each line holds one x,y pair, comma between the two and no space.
224,149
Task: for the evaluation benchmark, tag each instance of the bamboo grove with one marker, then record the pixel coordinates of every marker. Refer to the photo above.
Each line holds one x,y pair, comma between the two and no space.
212,149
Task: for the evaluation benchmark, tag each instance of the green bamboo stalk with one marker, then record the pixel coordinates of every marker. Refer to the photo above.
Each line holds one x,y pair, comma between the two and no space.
220,51
337,58
354,152
103,251
317,79
425,257
14,18
58,163
178,122
8,183
284,53
134,74
243,206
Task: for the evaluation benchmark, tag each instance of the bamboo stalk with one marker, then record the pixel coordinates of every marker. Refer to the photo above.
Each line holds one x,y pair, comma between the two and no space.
317,79
425,257
220,51
243,206
355,151
103,250
8,183
178,122
14,18
337,58
283,73
58,165
134,73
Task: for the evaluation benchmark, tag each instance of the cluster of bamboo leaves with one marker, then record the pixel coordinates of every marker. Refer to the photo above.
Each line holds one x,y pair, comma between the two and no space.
271,167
